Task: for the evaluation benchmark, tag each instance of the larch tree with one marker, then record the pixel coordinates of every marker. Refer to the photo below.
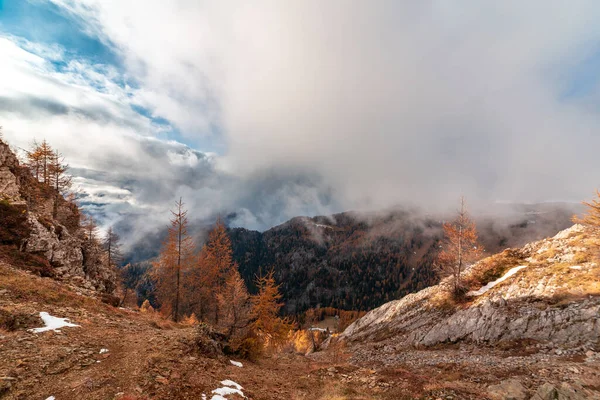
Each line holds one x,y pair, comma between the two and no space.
176,259
265,312
132,275
112,246
58,178
45,153
34,160
216,264
234,305
460,246
90,227
591,218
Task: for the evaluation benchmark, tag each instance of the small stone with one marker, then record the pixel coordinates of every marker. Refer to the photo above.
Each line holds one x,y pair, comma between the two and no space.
510,389
545,392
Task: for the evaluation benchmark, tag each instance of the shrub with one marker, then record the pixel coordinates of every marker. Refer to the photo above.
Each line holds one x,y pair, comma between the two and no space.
249,347
11,321
14,227
208,341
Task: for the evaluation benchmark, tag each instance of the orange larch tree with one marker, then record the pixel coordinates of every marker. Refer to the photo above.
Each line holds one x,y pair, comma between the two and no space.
112,246
266,323
592,216
234,305
35,160
176,259
216,264
90,227
460,246
58,178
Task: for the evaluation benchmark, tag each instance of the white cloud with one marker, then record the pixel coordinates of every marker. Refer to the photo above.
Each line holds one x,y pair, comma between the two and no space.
322,106
388,101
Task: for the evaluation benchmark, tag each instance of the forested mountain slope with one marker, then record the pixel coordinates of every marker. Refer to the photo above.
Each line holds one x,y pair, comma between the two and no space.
358,261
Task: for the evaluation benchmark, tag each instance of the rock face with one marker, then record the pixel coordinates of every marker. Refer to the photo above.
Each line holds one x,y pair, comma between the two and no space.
9,186
71,255
551,300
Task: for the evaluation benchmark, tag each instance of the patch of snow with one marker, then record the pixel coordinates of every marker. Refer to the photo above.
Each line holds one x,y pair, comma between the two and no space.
52,323
576,267
102,351
231,383
236,363
225,391
229,388
51,398
490,285
203,396
323,226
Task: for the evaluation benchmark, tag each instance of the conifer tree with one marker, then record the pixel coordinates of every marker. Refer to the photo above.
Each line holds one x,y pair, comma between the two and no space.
234,305
132,276
59,180
112,246
460,246
176,259
90,228
46,153
34,160
265,312
592,216
216,265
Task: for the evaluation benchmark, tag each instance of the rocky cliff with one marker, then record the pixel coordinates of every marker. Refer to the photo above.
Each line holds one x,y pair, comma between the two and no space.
547,292
43,236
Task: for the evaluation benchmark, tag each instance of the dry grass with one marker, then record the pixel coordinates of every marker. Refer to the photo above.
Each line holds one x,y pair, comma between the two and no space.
24,288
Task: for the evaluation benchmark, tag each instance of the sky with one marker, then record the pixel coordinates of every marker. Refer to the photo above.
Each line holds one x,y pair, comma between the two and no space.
266,110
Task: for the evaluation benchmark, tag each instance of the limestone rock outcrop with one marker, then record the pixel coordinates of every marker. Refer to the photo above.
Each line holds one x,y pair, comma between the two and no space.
9,184
554,298
71,255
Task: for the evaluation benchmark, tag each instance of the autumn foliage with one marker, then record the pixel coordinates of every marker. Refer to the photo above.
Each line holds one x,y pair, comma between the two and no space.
270,328
177,258
460,246
592,216
206,287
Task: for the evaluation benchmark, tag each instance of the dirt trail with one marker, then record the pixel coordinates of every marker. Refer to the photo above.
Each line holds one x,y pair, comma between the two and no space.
150,359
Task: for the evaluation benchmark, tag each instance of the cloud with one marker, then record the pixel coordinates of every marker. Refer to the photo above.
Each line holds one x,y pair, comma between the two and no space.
316,106
388,101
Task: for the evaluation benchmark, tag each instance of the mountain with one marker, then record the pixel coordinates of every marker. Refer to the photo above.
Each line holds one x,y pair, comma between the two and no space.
358,261
41,231
528,329
547,292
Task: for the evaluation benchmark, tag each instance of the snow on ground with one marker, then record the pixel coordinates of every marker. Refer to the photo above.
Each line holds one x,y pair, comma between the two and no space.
229,388
52,323
51,398
323,226
490,285
230,383
102,351
576,267
236,363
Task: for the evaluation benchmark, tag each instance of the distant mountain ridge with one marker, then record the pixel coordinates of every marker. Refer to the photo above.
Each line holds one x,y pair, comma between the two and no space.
358,261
